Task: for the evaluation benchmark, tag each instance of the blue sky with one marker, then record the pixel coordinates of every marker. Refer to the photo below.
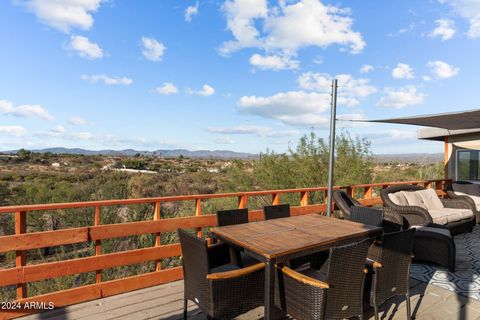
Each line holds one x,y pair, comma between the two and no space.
242,75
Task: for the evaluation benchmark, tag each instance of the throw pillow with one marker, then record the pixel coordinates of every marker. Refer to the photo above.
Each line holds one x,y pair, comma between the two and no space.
430,199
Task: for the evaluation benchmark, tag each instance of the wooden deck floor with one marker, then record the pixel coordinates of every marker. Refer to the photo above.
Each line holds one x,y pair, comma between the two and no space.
165,302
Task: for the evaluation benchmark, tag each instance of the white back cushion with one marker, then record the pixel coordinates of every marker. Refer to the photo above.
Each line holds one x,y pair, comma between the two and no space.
414,199
430,199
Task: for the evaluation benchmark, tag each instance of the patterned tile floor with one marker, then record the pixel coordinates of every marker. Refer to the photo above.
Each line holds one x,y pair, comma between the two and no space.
466,278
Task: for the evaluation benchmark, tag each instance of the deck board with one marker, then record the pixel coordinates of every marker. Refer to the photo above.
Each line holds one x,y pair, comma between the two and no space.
165,302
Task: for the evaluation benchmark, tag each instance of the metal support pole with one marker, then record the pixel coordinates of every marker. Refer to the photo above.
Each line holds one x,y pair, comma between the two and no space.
332,146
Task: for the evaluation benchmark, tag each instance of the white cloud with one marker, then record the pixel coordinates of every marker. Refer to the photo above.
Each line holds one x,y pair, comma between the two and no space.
77,121
366,68
274,62
442,70
402,97
402,71
65,14
58,129
292,108
24,111
166,89
223,140
206,91
84,48
469,10
350,90
254,130
445,29
153,50
107,80
15,131
287,27
191,11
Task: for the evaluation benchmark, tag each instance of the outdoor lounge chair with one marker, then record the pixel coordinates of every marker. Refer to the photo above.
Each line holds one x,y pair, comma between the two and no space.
408,202
334,294
221,290
345,202
389,273
468,192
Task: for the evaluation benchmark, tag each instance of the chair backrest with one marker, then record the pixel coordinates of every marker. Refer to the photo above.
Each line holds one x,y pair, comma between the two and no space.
344,202
464,187
395,256
230,217
346,275
195,266
277,211
365,215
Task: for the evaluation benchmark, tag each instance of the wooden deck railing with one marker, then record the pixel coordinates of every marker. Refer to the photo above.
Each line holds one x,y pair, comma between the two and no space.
22,241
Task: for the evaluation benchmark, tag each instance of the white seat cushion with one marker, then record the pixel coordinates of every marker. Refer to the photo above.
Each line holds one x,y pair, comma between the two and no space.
447,215
430,199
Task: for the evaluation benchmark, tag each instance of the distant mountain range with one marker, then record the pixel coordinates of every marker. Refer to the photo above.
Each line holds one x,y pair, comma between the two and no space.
226,154
175,153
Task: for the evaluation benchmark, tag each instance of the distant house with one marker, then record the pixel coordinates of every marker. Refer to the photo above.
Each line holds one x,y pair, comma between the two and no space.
55,165
462,151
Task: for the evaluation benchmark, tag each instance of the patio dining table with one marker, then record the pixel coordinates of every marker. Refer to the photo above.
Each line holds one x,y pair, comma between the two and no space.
280,240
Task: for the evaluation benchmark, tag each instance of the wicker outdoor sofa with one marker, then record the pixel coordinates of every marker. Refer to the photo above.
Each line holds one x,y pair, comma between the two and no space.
456,221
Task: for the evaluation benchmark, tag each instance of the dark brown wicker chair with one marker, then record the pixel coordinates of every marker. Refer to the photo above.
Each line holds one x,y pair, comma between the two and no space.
345,202
390,271
276,211
417,216
365,215
231,217
468,188
222,291
335,294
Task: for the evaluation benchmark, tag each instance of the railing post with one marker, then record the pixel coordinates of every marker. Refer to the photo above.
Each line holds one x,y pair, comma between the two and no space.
158,239
350,192
368,193
20,256
198,212
304,198
242,202
275,199
98,243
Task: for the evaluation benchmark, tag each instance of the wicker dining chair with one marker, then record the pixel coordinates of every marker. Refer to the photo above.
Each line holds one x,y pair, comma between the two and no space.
345,202
366,215
233,217
277,211
221,291
389,275
336,293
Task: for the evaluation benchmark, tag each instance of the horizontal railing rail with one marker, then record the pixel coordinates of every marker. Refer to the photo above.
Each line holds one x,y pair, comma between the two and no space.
22,241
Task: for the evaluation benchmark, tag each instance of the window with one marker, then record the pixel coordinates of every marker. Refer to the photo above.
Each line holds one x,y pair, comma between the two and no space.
468,164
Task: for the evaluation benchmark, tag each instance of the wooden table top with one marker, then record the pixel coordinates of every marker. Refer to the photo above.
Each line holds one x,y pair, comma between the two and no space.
280,237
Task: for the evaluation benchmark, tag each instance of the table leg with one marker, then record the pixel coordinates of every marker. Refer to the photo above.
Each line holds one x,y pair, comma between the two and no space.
269,289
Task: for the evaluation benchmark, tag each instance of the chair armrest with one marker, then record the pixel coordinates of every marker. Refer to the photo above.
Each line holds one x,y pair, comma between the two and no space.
458,203
236,273
413,214
303,278
373,263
